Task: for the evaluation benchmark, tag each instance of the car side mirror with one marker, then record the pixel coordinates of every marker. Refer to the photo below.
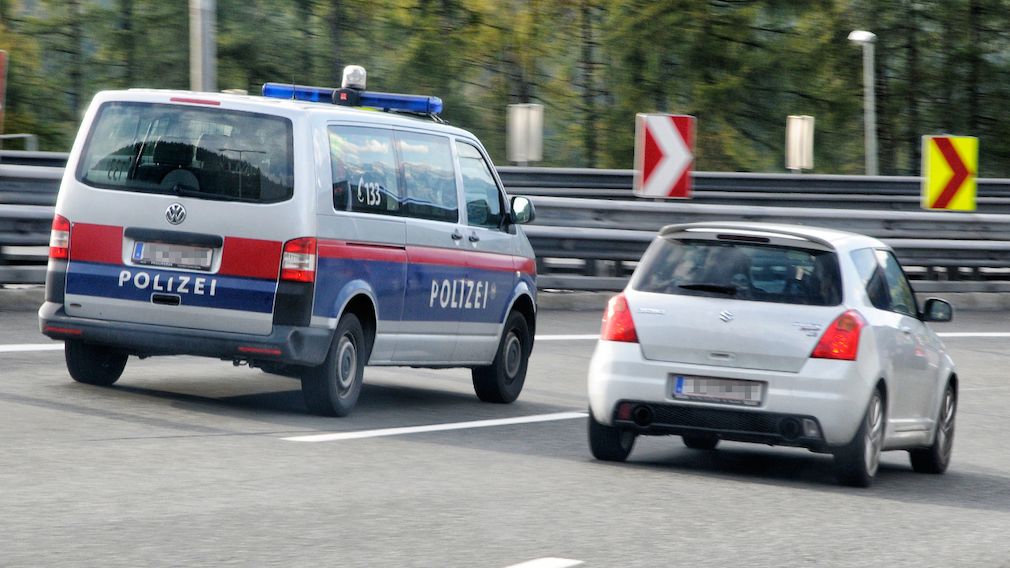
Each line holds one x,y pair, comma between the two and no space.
937,310
522,210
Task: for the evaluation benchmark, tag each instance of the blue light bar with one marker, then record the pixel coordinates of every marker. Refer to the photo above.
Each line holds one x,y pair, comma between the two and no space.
404,103
418,104
298,92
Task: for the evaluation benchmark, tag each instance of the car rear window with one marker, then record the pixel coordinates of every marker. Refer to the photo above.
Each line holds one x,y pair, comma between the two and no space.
760,272
208,153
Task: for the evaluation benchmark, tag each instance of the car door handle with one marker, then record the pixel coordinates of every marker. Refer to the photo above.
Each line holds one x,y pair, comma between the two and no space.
456,235
906,330
474,238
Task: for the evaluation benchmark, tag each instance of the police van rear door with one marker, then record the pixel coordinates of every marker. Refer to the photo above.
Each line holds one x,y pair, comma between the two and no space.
180,209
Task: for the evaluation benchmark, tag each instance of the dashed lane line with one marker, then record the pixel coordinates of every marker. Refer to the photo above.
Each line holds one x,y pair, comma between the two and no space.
547,563
29,347
383,432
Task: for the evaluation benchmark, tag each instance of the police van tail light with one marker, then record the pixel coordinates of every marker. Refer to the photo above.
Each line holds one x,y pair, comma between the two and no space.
299,261
841,339
617,322
59,239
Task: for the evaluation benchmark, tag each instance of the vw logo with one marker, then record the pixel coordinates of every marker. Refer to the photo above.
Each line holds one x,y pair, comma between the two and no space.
726,316
175,213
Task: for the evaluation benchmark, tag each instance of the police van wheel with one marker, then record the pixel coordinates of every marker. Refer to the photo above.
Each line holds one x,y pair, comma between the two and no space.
332,388
94,364
503,380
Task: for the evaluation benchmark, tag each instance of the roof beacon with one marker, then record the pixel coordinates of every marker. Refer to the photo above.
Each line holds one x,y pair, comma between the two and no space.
352,93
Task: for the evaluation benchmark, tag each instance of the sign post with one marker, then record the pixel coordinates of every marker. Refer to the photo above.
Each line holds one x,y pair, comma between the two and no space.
525,128
664,155
3,90
949,170
799,143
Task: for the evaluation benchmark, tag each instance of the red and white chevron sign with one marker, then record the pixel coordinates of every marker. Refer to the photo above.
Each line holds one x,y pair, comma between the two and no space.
664,155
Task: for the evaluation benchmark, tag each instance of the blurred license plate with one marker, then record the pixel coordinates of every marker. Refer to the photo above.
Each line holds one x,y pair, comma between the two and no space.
725,391
173,256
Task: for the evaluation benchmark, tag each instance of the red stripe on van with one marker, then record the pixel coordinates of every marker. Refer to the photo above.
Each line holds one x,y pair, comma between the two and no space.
362,251
96,243
455,257
251,258
526,265
425,255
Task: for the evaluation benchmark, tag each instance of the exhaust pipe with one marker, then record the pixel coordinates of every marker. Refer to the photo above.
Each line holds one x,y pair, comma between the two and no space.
790,428
642,415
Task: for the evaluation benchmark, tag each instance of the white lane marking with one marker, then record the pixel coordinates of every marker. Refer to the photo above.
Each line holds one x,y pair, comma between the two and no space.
975,334
547,563
28,347
436,427
581,337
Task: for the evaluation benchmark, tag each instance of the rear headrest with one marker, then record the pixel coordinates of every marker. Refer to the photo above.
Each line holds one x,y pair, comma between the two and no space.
173,153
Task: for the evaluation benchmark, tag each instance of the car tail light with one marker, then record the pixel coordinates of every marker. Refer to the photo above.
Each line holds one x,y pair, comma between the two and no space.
841,339
617,322
299,261
59,239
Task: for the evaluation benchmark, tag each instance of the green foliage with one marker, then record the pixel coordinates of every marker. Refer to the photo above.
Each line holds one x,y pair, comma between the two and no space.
739,66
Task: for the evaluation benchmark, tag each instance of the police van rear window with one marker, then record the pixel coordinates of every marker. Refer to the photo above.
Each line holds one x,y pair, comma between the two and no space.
194,152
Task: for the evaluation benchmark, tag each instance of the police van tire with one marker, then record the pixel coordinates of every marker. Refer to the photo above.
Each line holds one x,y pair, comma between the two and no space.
503,380
332,389
94,364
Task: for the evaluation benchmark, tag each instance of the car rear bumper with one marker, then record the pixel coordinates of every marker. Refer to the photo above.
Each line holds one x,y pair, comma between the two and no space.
832,393
727,423
296,345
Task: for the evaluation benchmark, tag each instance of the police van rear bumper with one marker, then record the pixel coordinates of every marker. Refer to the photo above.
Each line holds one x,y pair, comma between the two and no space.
287,344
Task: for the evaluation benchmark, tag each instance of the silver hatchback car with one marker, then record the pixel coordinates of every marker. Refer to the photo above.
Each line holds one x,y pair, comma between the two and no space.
774,334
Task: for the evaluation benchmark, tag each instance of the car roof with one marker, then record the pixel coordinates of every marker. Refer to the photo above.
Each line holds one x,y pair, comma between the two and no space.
839,240
270,105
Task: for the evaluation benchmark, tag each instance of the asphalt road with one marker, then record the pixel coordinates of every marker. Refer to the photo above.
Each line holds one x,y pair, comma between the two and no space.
185,462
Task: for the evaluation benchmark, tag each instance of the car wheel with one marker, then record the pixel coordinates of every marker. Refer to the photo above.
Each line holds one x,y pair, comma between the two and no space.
332,389
700,441
857,462
94,364
503,379
608,443
936,458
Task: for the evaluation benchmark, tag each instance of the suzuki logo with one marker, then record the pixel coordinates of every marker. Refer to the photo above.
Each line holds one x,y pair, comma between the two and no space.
726,316
175,214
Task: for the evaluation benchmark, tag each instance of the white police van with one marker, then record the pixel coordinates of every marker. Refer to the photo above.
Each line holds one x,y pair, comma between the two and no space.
299,236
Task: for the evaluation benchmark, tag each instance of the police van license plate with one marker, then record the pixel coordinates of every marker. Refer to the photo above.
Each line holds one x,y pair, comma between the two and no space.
172,255
724,391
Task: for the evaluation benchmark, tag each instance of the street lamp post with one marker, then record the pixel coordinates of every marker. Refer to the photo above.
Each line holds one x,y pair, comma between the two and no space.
867,40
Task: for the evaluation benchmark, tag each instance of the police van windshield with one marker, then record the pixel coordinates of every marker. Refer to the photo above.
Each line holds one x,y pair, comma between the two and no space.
194,152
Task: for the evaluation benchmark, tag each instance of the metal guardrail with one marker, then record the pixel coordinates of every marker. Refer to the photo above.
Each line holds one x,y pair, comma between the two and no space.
580,246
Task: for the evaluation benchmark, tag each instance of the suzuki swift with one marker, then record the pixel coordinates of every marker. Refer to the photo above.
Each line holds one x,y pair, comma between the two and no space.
774,334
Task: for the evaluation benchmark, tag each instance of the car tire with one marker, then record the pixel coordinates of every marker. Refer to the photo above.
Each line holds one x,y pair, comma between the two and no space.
608,443
94,364
936,458
332,389
857,462
503,379
700,441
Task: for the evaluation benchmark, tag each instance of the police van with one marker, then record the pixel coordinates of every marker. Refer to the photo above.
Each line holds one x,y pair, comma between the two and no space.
293,232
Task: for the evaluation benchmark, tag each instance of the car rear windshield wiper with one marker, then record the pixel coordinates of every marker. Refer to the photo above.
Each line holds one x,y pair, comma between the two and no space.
706,287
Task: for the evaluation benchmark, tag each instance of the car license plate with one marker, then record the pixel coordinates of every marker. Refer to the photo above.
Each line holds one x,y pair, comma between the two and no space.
724,391
172,255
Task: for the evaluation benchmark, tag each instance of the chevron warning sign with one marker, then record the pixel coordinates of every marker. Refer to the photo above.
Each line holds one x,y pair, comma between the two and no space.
664,155
949,169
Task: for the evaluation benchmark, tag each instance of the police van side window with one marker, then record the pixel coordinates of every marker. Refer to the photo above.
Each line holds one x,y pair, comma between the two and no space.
363,167
428,176
483,200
